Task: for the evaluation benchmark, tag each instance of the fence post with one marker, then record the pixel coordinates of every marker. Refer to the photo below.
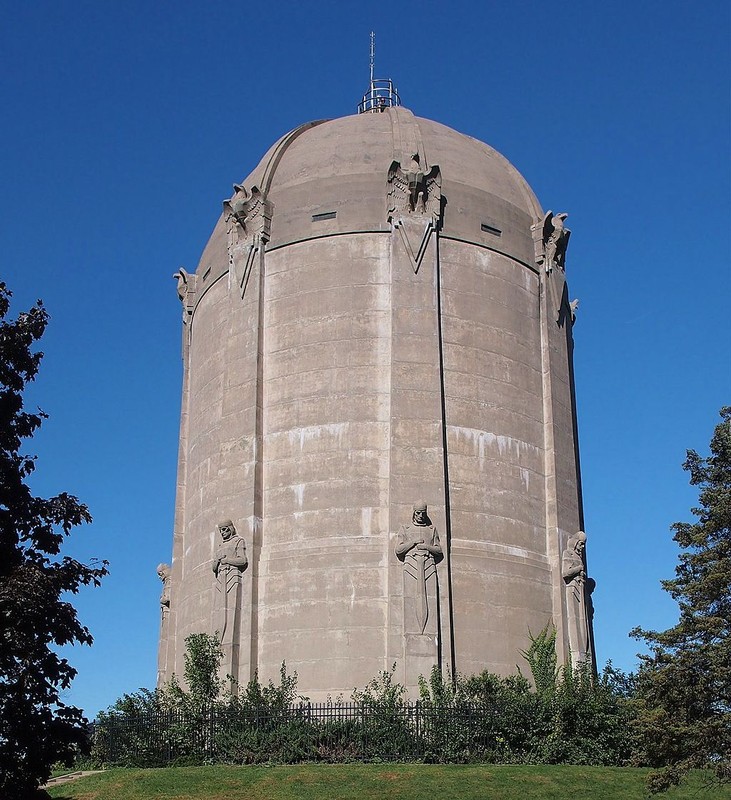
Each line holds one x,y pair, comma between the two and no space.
418,731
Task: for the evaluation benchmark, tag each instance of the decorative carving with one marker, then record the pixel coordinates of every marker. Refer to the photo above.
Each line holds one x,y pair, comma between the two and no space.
419,548
412,191
555,237
573,568
228,566
550,241
187,285
247,214
231,559
573,307
163,572
414,205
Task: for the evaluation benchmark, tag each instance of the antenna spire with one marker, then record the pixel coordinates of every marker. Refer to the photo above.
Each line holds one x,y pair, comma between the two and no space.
381,94
373,52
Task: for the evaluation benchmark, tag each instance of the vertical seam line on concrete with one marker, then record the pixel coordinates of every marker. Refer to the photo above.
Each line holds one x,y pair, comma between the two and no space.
258,499
447,507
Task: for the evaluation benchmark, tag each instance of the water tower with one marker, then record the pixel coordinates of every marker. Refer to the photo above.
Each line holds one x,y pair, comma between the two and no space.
378,455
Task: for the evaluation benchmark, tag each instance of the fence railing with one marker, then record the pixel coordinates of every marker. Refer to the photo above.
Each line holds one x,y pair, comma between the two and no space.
306,732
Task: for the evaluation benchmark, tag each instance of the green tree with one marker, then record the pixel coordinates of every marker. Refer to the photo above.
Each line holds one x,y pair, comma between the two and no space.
36,727
201,666
684,684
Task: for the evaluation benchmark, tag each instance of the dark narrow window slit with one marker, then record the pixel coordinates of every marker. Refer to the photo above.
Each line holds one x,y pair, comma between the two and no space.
326,215
490,229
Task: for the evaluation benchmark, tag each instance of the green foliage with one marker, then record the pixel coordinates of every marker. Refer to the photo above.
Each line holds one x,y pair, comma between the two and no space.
514,716
202,664
542,660
273,697
581,719
122,735
382,692
173,726
587,720
36,727
684,684
263,724
385,726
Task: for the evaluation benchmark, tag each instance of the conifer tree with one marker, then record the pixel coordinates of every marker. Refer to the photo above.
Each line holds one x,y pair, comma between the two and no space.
684,684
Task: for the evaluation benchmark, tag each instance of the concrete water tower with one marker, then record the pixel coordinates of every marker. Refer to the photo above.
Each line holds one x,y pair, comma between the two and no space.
378,456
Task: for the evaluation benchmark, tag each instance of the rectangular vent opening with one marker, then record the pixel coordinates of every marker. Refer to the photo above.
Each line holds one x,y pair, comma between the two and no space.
324,216
491,229
206,273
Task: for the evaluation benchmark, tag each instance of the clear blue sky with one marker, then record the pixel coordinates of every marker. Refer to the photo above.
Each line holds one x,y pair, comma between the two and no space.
125,124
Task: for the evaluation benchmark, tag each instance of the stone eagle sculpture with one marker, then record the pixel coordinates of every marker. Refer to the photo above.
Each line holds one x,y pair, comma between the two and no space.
413,191
243,206
555,240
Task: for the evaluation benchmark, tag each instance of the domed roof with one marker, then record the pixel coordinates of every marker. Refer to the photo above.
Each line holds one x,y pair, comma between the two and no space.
335,173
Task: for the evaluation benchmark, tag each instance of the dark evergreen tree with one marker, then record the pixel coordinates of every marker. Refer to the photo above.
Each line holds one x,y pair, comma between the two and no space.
36,727
684,684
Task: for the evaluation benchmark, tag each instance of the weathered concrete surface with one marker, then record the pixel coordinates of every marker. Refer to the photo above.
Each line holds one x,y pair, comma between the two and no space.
333,379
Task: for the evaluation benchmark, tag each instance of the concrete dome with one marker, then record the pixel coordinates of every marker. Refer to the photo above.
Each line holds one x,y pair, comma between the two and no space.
338,165
378,400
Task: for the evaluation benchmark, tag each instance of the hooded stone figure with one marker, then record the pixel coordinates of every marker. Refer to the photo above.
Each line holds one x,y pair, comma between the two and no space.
573,568
163,572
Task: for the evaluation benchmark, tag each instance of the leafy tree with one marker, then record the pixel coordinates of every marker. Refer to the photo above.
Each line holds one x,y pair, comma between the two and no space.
36,727
684,684
202,662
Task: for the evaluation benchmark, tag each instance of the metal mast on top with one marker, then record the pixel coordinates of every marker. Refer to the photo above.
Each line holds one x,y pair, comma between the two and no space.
373,52
381,94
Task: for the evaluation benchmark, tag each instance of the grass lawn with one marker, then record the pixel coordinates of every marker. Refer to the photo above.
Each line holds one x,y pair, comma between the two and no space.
376,782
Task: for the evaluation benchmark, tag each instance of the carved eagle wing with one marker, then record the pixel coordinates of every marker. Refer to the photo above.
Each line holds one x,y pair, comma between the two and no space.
434,191
547,226
398,189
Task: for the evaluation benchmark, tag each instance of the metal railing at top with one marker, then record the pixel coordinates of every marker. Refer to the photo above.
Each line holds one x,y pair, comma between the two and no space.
381,94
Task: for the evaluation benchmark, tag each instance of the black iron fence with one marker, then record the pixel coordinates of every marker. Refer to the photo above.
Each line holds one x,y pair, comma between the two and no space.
308,732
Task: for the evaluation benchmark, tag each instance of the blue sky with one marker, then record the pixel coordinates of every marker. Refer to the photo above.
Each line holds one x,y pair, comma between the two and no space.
125,125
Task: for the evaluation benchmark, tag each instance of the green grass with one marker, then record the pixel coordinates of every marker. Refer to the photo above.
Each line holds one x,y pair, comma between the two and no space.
377,782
